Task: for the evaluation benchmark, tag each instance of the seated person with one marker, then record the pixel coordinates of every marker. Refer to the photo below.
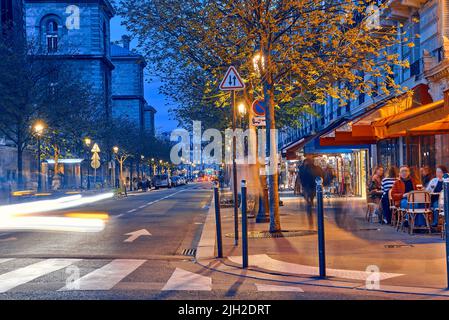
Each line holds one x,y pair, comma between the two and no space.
436,186
404,185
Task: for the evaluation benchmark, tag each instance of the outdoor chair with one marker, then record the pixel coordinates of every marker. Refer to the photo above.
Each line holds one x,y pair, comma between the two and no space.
418,202
393,209
372,210
441,218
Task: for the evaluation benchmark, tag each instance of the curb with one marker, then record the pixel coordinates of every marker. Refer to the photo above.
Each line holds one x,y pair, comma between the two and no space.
205,257
206,245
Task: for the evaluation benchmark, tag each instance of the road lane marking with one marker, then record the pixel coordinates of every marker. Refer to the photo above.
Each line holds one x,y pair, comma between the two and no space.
273,288
136,234
155,201
23,275
106,277
182,280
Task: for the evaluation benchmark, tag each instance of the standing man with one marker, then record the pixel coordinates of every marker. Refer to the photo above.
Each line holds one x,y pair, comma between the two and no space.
308,173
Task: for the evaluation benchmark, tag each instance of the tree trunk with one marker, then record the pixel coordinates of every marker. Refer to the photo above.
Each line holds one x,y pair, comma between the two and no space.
271,151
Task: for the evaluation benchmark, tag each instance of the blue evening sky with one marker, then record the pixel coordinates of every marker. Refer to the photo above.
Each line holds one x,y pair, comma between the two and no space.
152,95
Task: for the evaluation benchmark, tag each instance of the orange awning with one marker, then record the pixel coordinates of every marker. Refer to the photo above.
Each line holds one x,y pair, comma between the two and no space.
428,118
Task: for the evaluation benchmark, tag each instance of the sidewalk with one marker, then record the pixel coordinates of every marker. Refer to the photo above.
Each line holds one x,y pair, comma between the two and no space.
354,248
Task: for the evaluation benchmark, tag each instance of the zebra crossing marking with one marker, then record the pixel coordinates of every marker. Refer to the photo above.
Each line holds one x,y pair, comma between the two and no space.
106,277
182,280
26,274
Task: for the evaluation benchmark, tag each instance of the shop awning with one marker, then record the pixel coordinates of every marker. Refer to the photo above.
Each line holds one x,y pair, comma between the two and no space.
393,118
291,149
427,119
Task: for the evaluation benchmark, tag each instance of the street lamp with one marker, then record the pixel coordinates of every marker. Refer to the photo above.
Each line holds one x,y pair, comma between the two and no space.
142,164
241,108
87,143
259,63
121,159
38,128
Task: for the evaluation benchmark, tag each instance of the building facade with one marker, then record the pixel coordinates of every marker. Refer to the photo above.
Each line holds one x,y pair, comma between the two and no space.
11,16
79,34
388,130
128,94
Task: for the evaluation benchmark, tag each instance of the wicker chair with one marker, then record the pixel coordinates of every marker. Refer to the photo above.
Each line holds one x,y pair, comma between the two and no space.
418,202
393,209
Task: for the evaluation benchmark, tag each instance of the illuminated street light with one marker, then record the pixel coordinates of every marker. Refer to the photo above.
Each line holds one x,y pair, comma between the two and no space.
121,159
38,129
259,63
87,143
241,108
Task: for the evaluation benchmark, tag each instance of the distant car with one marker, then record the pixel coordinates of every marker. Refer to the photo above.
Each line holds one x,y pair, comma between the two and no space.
175,181
162,181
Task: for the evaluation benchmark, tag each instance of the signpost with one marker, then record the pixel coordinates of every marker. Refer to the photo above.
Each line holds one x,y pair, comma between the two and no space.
233,82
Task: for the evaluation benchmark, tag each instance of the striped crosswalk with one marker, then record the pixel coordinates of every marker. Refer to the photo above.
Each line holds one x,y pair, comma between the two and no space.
106,277
73,275
26,274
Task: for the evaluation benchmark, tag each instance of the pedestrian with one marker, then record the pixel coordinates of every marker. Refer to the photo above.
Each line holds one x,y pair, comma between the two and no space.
328,179
426,175
308,173
387,184
297,188
435,187
375,185
401,188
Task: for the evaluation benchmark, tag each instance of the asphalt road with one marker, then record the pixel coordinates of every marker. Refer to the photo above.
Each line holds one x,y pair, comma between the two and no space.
156,265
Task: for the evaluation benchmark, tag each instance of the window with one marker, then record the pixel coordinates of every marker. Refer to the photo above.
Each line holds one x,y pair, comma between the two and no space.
52,36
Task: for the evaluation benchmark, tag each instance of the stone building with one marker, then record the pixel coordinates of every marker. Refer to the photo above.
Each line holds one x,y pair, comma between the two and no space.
78,33
11,16
128,99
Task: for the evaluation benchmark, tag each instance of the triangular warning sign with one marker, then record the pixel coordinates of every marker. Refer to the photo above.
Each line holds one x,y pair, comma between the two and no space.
232,80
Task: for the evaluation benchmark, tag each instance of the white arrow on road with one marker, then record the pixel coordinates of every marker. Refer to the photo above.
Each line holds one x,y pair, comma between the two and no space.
136,234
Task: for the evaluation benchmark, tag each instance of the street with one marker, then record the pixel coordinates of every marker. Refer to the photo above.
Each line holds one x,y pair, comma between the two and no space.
146,251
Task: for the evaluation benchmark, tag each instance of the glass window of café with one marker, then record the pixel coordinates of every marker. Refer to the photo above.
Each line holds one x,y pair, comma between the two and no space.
421,151
388,152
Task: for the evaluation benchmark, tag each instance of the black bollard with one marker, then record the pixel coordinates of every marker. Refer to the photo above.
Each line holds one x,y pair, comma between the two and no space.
320,218
446,222
244,227
218,221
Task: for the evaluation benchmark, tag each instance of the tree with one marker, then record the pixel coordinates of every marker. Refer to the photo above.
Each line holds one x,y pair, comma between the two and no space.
38,86
293,53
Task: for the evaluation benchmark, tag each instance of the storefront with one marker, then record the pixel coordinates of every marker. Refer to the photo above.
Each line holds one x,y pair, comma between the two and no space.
349,164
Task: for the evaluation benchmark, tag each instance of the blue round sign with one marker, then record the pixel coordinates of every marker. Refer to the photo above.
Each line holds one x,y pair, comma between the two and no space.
259,107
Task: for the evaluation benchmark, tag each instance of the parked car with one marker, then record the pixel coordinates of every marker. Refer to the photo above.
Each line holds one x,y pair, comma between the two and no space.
162,181
175,181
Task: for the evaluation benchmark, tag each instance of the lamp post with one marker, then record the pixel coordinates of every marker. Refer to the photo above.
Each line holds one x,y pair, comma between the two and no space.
38,130
121,157
87,143
142,165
